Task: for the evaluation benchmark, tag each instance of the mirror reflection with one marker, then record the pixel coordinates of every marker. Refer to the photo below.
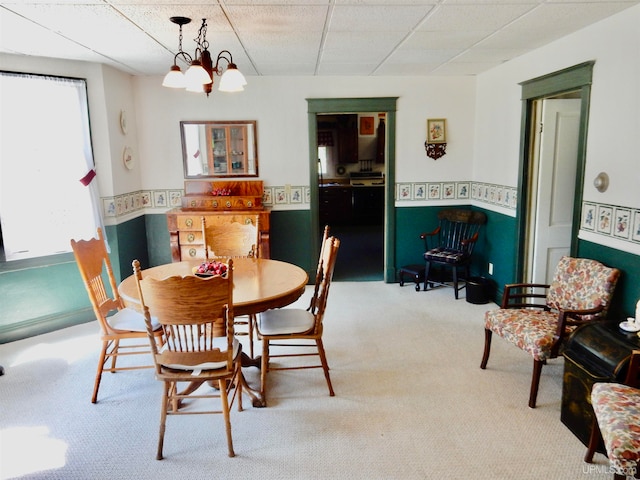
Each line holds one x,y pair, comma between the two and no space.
219,149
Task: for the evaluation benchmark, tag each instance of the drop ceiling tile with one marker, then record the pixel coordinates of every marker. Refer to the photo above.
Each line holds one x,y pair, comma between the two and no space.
277,18
462,18
377,18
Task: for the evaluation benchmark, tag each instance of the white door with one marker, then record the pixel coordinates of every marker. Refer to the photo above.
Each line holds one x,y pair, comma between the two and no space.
555,185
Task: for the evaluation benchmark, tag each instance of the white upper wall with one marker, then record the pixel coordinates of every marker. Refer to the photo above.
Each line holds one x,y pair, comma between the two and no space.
279,104
614,118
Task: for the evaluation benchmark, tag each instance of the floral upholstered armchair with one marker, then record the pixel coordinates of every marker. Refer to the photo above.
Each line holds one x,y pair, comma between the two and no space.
537,318
617,422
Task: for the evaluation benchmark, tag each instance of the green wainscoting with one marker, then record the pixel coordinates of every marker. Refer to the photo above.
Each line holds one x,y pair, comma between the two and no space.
627,291
496,243
48,294
38,297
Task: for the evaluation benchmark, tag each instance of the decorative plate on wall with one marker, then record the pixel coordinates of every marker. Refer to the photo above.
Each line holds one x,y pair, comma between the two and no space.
127,158
123,121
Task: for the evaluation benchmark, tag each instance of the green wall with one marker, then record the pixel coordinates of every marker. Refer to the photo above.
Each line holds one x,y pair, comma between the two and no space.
47,294
627,291
496,243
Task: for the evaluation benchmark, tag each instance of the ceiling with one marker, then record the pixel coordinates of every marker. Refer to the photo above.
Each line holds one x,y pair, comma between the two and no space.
299,37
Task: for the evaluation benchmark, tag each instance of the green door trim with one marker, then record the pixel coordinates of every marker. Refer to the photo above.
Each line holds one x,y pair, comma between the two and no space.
354,105
575,78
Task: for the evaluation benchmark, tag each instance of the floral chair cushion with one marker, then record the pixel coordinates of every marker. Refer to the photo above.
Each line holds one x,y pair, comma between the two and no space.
578,284
581,284
530,330
617,408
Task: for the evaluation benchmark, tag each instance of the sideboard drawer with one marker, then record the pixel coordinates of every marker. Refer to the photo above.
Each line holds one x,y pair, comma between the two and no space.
190,237
189,252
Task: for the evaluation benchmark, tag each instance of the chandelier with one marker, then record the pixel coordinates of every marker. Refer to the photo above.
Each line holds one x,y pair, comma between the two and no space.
199,75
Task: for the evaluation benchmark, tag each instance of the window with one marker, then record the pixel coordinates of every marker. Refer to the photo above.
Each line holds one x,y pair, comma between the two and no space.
322,160
45,149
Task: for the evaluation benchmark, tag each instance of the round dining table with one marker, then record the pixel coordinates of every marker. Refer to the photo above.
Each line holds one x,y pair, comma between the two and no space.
258,285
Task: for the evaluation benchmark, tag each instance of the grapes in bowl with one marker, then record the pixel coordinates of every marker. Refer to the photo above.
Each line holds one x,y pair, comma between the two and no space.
210,269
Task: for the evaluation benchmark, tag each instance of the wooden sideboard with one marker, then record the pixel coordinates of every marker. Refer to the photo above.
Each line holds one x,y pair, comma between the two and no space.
243,205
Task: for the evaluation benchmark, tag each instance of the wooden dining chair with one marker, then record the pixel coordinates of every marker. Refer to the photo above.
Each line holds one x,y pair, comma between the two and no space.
233,239
287,327
318,278
121,329
196,319
230,238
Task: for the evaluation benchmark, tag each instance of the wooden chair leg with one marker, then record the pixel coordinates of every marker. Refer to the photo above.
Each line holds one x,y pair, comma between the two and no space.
426,274
594,440
535,382
455,281
114,355
264,367
222,385
325,365
487,348
251,322
163,420
101,360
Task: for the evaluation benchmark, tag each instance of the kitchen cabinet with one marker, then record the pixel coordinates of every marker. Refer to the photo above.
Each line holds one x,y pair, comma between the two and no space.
228,148
368,205
347,132
335,205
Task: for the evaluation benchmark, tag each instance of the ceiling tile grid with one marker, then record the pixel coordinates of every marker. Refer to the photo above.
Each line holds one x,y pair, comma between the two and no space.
299,37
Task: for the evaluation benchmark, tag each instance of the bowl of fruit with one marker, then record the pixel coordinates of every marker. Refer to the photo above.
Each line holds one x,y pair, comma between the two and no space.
211,268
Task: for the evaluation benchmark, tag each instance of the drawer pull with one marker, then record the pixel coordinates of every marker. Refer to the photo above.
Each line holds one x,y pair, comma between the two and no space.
188,222
191,237
192,252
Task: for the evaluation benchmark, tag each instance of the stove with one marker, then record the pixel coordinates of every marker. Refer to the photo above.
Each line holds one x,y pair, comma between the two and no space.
366,179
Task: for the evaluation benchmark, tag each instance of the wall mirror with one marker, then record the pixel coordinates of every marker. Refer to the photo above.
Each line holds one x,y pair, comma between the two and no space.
219,149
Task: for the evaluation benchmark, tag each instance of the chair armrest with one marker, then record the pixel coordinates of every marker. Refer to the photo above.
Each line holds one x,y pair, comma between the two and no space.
424,235
430,238
571,318
633,370
522,295
468,241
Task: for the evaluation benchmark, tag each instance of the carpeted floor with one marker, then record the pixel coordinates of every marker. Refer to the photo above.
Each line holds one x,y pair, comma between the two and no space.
411,402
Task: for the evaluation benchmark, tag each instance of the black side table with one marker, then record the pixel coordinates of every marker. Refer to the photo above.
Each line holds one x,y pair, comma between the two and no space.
596,352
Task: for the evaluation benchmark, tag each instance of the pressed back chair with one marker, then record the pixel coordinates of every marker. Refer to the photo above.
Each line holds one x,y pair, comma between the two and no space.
538,318
287,327
196,318
122,329
233,240
318,279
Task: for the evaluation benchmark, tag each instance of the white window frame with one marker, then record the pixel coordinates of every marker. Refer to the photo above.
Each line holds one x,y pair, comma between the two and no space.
45,151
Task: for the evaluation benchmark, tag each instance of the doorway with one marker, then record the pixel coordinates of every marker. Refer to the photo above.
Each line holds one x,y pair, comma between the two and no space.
552,187
335,106
351,161
575,82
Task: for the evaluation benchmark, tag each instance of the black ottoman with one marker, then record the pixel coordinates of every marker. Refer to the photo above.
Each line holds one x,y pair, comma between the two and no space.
415,271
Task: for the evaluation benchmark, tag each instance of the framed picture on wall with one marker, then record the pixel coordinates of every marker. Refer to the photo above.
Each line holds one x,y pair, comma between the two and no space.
366,126
605,215
622,223
635,233
588,216
436,130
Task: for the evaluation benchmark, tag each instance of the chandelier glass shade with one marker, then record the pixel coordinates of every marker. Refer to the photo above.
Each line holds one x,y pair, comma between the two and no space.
199,77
